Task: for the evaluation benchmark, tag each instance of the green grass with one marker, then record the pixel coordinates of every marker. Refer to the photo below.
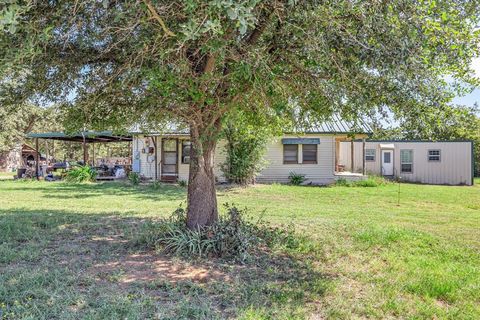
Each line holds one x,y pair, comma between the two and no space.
65,253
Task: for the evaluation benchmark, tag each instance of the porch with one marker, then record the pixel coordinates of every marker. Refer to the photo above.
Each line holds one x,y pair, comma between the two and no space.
350,157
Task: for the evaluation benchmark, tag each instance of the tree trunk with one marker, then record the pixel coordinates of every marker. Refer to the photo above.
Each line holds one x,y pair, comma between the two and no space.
202,198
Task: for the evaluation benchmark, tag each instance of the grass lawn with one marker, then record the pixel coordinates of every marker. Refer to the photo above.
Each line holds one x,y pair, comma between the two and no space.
66,253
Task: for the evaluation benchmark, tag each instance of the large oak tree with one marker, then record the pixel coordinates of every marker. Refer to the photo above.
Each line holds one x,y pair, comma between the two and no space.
113,63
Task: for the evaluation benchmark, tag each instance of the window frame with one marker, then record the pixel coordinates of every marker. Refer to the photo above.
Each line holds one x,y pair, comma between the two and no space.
402,163
296,158
303,154
439,155
184,144
374,155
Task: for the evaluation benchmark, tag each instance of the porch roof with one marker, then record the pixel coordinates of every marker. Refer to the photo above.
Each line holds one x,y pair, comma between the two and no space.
87,136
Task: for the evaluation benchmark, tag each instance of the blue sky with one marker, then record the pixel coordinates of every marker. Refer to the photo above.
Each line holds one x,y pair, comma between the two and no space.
473,97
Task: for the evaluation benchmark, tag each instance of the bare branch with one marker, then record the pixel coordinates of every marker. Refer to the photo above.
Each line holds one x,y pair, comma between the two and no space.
157,17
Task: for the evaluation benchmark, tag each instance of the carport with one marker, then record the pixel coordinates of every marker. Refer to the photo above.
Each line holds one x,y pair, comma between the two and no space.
85,138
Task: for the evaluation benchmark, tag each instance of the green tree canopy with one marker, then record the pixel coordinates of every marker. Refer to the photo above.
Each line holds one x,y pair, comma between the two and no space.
19,120
115,62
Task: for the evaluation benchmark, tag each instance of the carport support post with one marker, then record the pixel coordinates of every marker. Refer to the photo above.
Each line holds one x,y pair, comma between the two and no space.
93,154
37,160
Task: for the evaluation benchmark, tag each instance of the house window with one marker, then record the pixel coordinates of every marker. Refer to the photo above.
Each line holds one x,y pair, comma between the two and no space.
369,154
434,155
309,153
406,161
290,153
186,152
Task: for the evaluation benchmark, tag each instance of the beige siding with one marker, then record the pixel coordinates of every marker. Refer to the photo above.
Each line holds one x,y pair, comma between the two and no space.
320,173
454,168
147,162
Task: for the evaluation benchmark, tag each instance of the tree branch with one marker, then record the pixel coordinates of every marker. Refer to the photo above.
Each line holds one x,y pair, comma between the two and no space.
157,17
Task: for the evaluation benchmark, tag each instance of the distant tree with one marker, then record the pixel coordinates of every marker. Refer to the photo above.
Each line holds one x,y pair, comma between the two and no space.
19,120
115,62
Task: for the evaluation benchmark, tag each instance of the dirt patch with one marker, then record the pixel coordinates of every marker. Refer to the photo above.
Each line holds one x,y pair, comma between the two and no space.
149,267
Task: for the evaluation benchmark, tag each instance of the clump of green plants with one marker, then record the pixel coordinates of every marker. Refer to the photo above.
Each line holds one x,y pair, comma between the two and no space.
81,175
233,237
370,182
134,178
156,185
182,183
296,179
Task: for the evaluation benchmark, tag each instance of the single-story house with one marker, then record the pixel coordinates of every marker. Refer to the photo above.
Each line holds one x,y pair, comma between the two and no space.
326,152
329,151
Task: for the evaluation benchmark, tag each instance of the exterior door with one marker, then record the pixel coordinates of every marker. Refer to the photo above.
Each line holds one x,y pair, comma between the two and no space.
169,159
387,162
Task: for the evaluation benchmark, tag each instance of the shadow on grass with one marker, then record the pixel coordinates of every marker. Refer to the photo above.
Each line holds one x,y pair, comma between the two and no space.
62,190
87,263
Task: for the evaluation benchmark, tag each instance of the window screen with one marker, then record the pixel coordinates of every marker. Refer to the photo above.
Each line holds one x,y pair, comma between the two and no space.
369,154
406,161
433,155
309,152
290,153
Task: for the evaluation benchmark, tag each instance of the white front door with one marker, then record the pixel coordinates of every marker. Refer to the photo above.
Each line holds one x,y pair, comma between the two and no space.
387,162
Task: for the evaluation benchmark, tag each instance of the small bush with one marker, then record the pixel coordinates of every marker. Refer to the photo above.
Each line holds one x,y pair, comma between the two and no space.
81,175
232,237
296,179
156,185
134,178
183,183
342,182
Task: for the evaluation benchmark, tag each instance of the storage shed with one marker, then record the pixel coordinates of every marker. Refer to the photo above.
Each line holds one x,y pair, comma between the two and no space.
430,162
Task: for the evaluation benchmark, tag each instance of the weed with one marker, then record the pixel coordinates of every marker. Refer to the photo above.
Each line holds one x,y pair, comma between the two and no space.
81,175
134,178
296,179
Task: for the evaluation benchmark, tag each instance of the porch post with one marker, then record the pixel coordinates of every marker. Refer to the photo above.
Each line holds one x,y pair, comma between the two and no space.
337,147
363,157
156,157
37,160
351,155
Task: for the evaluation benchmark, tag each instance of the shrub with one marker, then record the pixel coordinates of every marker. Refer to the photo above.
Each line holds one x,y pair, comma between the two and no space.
81,175
247,135
156,185
134,178
232,237
183,183
296,179
342,182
